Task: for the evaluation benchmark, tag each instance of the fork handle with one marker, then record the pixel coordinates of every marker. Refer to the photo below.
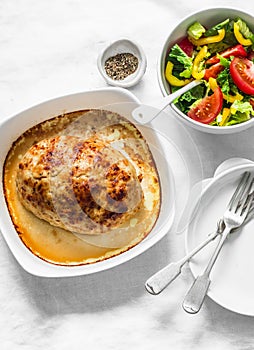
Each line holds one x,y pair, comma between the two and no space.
195,297
161,279
217,250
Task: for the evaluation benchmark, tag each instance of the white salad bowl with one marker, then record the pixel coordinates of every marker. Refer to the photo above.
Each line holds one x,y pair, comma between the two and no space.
208,18
113,99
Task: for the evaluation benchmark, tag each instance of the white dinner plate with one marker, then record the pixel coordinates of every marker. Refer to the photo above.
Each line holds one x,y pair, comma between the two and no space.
232,277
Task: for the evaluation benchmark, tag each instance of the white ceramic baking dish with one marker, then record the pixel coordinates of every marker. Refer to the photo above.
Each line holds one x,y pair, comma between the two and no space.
114,99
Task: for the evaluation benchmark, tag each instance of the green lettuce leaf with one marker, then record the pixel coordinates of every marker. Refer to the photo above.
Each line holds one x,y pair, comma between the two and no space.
214,30
245,30
224,61
196,30
237,119
226,83
229,39
182,62
186,100
242,107
217,47
224,80
240,112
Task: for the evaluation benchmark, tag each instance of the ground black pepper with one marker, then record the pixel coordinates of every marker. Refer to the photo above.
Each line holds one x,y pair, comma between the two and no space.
120,66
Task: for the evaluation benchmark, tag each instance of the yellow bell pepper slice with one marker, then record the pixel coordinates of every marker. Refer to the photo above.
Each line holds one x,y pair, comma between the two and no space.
232,99
210,39
239,37
225,116
174,81
196,73
212,83
229,98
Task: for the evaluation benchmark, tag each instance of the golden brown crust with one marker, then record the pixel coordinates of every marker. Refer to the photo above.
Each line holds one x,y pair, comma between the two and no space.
82,186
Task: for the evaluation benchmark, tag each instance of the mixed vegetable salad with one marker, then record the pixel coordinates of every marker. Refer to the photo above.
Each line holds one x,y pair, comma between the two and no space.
222,57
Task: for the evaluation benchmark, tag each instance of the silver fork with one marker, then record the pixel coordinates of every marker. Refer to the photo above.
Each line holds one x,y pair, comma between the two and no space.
233,217
162,278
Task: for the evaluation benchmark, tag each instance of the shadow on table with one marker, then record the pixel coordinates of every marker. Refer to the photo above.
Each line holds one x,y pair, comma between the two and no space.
95,292
213,325
222,321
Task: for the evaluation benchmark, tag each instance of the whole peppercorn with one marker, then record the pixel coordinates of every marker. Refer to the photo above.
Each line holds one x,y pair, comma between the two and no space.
120,66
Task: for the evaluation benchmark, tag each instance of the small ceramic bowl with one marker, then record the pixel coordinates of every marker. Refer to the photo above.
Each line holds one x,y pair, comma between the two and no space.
119,47
208,18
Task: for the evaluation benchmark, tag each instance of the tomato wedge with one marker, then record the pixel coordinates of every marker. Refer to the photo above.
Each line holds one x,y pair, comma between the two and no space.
242,72
208,108
213,71
236,51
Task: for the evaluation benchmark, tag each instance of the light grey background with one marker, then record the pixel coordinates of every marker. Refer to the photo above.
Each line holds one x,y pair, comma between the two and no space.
49,49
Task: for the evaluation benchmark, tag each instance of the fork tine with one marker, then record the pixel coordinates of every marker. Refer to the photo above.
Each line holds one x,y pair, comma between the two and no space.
237,190
245,211
241,188
247,201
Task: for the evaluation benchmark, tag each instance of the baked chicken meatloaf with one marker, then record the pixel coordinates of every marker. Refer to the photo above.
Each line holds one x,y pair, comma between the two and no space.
82,186
90,186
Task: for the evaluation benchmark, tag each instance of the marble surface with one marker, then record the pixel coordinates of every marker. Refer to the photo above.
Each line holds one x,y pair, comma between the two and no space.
49,49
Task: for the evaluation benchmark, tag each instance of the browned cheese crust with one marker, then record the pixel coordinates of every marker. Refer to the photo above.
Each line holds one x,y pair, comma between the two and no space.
82,186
